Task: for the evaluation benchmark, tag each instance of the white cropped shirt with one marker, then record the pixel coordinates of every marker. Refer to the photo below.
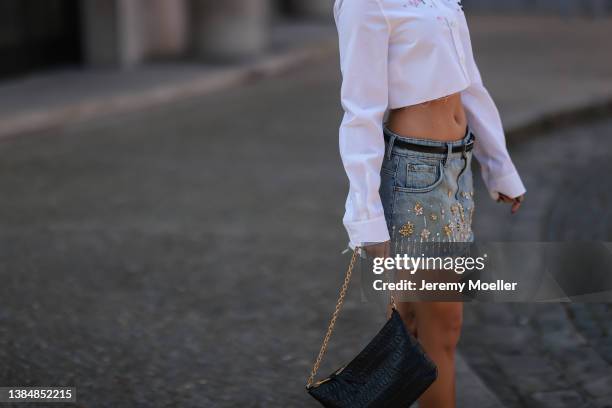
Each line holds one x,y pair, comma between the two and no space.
396,53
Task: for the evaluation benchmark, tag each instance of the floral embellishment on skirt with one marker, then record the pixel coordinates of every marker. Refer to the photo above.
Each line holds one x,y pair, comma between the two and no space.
433,217
462,212
407,229
425,234
448,230
418,208
454,209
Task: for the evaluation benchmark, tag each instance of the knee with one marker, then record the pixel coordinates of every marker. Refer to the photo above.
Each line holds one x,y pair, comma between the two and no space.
447,319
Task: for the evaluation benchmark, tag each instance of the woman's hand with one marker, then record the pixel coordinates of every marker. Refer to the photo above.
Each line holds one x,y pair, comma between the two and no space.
516,202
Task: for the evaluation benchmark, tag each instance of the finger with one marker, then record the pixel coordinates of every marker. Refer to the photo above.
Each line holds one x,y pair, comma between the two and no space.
515,207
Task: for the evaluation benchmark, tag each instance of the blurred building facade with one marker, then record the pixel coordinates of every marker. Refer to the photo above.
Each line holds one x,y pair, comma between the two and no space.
593,8
35,34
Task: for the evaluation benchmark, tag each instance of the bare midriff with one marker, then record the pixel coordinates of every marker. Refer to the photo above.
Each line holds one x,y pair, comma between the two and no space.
440,119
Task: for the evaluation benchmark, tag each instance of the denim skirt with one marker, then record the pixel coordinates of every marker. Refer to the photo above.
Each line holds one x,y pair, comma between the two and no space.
427,196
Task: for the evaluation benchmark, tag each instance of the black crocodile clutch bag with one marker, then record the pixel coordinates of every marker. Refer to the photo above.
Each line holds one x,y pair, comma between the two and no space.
392,371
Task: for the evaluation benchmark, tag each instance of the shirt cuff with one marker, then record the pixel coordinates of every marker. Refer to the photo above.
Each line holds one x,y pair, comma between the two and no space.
510,185
367,232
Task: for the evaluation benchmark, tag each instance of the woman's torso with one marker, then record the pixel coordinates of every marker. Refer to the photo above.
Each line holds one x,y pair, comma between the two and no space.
441,119
437,24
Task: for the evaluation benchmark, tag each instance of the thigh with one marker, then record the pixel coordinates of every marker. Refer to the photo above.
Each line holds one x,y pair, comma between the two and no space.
438,313
433,320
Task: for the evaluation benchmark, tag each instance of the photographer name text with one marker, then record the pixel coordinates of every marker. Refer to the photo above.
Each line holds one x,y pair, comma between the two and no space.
408,285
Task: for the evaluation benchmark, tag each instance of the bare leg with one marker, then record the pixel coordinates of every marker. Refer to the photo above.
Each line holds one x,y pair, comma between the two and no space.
438,327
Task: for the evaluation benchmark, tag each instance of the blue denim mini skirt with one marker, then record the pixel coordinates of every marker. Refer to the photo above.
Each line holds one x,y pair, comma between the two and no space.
428,196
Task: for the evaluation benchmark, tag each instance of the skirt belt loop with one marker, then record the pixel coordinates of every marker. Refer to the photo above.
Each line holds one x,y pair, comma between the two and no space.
392,138
449,151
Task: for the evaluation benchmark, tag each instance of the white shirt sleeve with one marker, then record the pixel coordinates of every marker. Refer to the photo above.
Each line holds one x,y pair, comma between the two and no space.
363,33
497,169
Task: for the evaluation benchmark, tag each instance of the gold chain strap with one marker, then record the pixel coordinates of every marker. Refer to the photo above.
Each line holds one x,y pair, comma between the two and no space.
332,322
334,317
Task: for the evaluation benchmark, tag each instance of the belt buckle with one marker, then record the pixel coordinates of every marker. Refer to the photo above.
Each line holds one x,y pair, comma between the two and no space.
469,144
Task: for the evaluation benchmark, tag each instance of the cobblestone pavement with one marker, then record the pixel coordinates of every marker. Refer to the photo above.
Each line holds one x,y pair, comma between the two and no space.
188,256
550,355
